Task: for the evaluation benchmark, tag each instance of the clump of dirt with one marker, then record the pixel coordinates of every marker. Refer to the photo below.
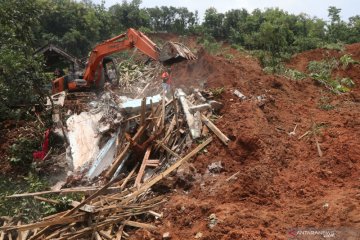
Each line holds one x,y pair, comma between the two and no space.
281,181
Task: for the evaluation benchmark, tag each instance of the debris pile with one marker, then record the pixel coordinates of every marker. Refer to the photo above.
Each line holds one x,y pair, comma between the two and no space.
124,147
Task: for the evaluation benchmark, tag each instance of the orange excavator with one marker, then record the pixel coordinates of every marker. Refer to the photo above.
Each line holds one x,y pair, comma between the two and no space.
93,77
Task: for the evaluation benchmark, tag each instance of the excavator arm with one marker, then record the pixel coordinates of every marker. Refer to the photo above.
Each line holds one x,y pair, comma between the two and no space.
119,43
171,52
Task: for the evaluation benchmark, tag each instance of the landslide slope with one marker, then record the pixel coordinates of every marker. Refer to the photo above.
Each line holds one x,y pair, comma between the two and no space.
282,182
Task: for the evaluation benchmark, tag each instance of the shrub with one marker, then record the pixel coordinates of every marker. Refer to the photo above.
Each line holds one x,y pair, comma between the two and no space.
339,46
346,60
217,92
211,47
21,151
320,71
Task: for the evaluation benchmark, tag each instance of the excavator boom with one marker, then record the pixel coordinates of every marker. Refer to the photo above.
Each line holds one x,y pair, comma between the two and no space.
119,43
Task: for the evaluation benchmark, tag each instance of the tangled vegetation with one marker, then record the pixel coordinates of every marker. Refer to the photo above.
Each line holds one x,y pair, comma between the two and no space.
321,71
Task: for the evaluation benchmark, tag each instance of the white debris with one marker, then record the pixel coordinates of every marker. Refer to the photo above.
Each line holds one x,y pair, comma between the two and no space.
239,94
83,137
134,105
215,167
57,99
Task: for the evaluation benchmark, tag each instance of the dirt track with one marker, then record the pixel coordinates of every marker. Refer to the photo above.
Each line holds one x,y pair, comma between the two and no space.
282,182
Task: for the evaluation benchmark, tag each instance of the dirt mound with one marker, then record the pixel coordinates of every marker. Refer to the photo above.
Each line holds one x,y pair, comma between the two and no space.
215,71
282,182
301,61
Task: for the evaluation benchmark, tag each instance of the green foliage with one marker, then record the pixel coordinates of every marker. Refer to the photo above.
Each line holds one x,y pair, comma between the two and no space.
320,71
338,46
21,151
217,92
324,104
347,82
294,74
211,45
346,60
21,74
238,47
30,209
280,69
229,56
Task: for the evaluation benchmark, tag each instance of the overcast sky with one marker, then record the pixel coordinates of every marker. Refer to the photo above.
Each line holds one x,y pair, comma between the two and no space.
312,7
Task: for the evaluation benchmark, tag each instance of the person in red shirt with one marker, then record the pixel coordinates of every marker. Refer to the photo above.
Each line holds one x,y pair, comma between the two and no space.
166,80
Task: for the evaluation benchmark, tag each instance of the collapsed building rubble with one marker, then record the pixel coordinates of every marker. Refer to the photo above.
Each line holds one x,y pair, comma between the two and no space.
123,147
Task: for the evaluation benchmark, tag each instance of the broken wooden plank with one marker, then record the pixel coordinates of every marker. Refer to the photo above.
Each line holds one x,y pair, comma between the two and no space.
109,174
97,193
142,167
215,130
143,111
120,232
195,133
64,220
157,178
232,176
52,201
168,149
86,190
155,214
97,236
140,225
105,235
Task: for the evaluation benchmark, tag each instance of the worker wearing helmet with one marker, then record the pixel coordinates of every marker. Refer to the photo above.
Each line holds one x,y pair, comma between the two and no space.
166,80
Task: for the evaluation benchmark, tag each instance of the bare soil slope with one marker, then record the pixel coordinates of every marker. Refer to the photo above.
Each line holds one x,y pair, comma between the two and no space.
282,182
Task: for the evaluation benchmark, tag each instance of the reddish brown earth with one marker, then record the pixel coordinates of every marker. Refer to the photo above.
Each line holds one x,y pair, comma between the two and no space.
282,183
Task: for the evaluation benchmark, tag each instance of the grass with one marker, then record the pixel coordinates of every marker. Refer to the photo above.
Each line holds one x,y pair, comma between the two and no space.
324,104
339,46
289,73
217,92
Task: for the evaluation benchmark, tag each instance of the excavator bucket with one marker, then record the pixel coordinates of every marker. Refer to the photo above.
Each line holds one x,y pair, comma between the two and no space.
174,52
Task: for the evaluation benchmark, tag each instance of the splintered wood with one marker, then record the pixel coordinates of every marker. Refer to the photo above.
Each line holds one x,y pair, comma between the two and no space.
154,144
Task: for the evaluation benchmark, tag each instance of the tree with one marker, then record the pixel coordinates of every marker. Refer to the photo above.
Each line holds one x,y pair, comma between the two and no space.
213,23
20,72
128,15
337,30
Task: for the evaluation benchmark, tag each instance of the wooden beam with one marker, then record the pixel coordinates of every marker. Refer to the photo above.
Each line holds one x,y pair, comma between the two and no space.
142,167
195,133
140,225
97,193
168,149
64,220
143,111
86,190
157,178
215,130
